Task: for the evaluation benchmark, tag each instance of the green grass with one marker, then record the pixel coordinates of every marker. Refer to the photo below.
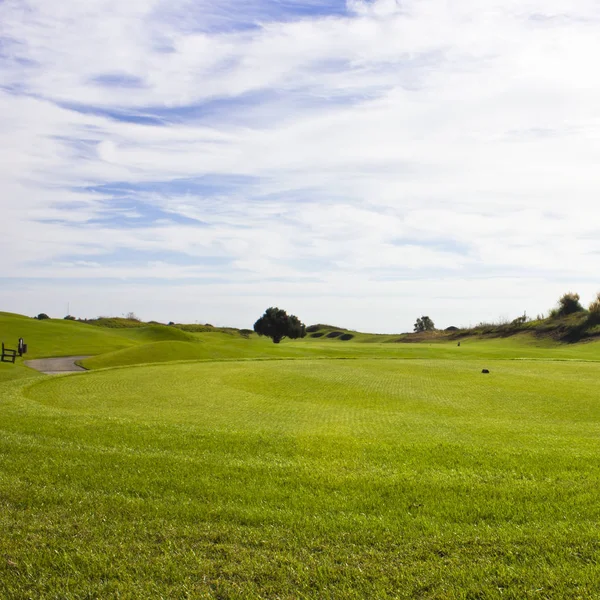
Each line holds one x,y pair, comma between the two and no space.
347,469
120,346
59,337
365,478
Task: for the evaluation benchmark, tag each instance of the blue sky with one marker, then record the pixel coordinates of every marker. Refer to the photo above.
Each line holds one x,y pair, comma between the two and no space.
355,162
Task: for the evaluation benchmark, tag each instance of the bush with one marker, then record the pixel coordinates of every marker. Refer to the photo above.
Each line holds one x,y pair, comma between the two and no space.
594,317
41,317
70,318
519,320
569,304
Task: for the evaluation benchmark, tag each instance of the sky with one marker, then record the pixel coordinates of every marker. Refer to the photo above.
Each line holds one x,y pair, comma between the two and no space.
359,163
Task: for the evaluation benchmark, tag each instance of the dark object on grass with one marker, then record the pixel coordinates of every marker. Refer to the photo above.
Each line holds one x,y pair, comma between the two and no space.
276,324
346,337
317,334
485,371
22,347
451,328
334,334
8,355
458,344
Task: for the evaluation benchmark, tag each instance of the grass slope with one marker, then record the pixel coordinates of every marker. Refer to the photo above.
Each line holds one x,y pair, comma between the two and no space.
59,337
303,479
49,338
149,353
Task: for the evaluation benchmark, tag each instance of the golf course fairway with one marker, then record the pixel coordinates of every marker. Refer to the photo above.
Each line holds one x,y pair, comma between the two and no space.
305,478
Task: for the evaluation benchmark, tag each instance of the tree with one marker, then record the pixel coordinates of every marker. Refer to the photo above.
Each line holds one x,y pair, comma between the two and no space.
41,317
276,324
569,304
424,324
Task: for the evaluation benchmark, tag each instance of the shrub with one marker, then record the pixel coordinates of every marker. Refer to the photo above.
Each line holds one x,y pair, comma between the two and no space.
519,320
569,304
70,318
41,317
594,318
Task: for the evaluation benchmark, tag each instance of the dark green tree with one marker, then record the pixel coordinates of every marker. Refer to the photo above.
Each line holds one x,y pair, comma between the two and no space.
277,324
569,304
424,324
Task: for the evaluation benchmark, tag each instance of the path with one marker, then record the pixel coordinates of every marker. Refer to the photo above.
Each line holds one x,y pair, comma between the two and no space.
56,366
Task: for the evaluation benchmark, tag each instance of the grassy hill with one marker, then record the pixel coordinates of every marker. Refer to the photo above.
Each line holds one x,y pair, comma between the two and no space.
118,342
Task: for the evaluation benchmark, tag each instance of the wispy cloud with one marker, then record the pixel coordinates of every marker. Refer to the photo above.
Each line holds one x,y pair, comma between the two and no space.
300,151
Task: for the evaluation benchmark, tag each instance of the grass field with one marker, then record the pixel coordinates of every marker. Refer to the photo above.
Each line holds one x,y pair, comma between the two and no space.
399,472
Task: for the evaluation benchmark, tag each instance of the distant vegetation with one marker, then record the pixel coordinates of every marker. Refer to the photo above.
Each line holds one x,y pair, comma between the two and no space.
595,309
424,324
568,321
568,304
277,325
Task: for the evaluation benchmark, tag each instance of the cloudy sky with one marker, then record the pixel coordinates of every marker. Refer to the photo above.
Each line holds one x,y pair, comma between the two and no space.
355,162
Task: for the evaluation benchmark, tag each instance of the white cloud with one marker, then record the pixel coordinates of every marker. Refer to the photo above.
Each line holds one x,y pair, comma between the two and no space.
453,140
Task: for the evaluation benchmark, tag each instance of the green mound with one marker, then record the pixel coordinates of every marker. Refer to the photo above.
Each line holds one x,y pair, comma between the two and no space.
160,333
149,353
52,337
